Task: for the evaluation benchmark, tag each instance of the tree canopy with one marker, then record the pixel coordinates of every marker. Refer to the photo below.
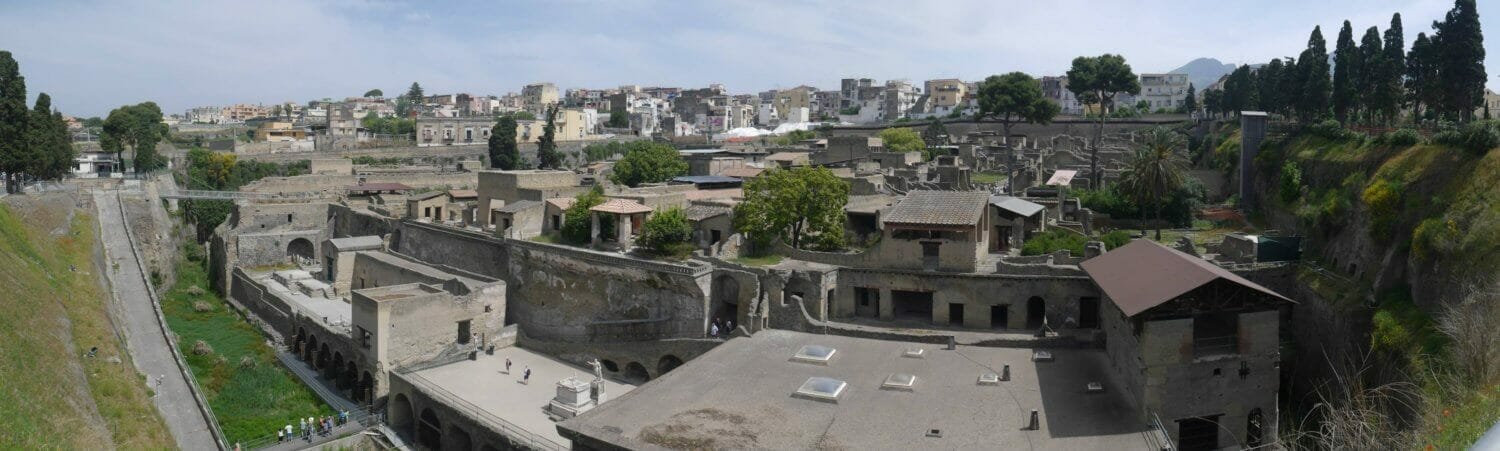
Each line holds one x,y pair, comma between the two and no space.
546,145
139,128
505,153
901,139
1098,79
1155,171
667,233
618,119
374,93
578,220
13,118
803,206
648,162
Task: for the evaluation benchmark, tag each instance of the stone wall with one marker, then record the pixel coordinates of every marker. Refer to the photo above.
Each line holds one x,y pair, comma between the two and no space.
976,292
467,250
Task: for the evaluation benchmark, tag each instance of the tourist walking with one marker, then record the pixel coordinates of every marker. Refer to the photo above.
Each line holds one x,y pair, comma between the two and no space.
526,377
289,431
279,437
507,365
713,330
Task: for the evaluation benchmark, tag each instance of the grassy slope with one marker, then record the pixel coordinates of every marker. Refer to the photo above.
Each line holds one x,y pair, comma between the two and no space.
1450,194
50,316
248,389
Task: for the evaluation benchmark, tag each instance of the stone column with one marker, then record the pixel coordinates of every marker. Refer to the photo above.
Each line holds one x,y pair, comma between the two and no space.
622,230
594,227
887,309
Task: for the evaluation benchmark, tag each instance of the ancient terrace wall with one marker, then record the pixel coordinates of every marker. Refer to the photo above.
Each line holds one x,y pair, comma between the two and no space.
565,293
267,234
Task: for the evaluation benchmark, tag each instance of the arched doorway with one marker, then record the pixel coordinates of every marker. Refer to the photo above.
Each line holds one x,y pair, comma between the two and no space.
310,351
610,365
366,390
300,250
351,379
668,363
299,342
336,370
726,298
429,430
459,439
1255,428
1036,312
322,360
398,414
635,373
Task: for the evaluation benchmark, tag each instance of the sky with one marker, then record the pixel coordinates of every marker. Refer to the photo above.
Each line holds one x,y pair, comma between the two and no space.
92,56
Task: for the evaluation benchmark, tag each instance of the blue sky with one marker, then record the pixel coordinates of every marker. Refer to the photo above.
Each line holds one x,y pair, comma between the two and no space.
92,56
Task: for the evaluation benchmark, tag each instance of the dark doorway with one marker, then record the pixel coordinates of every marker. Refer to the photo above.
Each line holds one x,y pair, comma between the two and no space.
429,430
1198,433
912,305
714,236
999,316
398,415
463,332
866,302
1036,312
726,298
667,363
1001,241
930,255
635,373
1088,313
1255,427
956,314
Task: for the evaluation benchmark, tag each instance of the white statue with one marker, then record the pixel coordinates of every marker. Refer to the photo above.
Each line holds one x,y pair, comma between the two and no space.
598,370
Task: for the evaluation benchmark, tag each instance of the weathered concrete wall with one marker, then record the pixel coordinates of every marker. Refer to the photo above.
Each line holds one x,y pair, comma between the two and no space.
347,221
563,293
338,184
463,249
976,292
1179,385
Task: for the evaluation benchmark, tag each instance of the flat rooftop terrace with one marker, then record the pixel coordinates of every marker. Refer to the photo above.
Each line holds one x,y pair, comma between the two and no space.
744,395
484,386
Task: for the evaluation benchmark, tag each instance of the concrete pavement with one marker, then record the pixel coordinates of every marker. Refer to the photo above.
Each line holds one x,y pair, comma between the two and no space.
145,334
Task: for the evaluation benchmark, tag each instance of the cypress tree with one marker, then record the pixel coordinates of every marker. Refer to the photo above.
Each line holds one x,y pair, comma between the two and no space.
1460,56
1393,66
504,153
39,137
13,119
1345,74
546,145
1372,68
1420,75
1312,78
1190,103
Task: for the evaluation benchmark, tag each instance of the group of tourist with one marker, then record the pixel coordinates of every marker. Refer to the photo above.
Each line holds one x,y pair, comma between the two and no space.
718,328
306,427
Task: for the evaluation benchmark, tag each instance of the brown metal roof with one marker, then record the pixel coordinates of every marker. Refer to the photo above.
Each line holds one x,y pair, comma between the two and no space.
944,208
1144,274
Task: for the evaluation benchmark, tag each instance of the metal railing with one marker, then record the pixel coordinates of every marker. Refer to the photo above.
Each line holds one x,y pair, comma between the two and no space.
1157,436
363,418
516,433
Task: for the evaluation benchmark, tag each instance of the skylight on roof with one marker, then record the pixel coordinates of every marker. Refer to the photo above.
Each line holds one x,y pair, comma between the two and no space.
899,381
915,353
822,388
814,354
989,379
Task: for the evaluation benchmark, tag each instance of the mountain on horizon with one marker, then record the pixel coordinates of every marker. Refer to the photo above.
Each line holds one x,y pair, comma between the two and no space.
1203,72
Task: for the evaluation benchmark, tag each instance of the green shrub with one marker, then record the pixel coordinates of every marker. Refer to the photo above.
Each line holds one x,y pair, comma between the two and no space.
1291,182
1113,240
666,232
578,222
1330,129
1480,136
1383,198
1401,138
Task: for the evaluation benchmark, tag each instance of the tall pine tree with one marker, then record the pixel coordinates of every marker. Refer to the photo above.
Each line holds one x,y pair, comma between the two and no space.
13,119
1372,68
1421,76
1312,79
1345,73
1190,102
546,145
1460,55
1388,97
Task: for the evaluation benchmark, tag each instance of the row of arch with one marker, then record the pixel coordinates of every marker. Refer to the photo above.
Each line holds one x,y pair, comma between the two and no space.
426,428
334,367
636,373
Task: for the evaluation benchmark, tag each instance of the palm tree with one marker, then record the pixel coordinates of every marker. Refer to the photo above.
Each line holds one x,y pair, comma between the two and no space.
1155,171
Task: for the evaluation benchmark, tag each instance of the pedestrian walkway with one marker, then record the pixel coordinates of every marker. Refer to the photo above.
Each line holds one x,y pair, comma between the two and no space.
330,394
145,335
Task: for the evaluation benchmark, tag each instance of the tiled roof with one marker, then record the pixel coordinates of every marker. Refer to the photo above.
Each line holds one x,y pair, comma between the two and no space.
562,203
948,208
701,212
622,207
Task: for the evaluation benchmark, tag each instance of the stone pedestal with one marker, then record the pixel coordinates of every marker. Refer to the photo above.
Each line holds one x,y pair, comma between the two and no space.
573,398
